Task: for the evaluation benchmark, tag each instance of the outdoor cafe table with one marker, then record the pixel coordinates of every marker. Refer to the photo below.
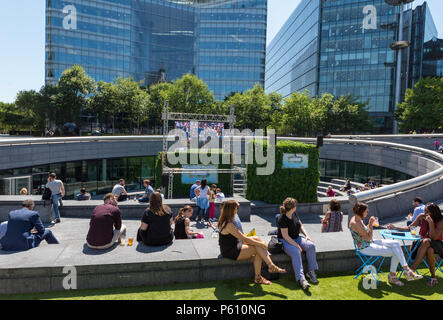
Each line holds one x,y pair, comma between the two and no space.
406,237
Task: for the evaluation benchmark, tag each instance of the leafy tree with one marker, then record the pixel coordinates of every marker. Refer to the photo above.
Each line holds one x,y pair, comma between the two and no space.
340,115
190,95
123,100
253,108
423,107
71,96
11,118
158,94
297,116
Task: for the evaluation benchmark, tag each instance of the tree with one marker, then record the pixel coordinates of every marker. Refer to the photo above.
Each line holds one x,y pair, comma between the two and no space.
123,100
158,94
11,118
190,95
423,107
253,108
342,115
297,116
72,93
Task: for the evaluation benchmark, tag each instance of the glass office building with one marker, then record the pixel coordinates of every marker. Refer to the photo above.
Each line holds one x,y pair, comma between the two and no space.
423,30
342,47
292,56
231,41
222,42
433,58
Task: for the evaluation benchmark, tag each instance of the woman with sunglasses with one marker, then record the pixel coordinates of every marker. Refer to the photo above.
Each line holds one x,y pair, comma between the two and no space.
431,243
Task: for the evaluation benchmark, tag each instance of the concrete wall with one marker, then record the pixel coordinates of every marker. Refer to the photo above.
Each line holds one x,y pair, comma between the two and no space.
27,155
399,160
421,141
10,203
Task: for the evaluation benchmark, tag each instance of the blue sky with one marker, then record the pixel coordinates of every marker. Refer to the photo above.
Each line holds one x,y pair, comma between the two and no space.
22,40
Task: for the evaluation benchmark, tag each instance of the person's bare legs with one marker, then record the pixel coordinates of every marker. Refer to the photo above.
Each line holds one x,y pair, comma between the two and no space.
425,245
246,253
430,254
264,254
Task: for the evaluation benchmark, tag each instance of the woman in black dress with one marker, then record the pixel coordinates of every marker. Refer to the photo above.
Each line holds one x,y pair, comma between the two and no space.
155,229
235,245
182,222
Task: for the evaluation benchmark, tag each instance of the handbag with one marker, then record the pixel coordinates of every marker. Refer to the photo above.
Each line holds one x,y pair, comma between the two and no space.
46,194
275,246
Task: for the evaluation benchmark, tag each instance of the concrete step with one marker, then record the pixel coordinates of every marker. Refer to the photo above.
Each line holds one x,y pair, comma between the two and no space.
326,184
341,182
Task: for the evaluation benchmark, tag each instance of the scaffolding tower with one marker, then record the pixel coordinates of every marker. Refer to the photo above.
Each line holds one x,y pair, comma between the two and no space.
170,172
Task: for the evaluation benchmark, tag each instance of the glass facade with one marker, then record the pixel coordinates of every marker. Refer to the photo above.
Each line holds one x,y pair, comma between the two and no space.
223,42
433,58
343,47
423,29
355,57
292,56
97,176
231,44
358,172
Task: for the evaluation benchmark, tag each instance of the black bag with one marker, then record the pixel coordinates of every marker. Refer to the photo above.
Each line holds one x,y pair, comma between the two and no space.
275,246
46,194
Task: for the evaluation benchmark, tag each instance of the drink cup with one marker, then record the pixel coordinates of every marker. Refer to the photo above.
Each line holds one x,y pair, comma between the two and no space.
376,223
130,241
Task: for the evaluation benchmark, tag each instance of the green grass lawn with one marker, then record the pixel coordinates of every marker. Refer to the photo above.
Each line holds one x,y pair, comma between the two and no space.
331,287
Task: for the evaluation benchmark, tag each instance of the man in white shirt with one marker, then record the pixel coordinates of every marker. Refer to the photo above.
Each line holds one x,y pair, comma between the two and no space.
120,191
57,193
419,209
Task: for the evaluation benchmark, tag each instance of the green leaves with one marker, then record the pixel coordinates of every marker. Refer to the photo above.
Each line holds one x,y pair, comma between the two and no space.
422,110
253,108
302,115
300,184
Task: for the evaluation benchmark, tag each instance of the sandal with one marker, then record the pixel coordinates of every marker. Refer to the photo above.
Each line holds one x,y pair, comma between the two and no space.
411,276
274,269
394,280
260,280
433,282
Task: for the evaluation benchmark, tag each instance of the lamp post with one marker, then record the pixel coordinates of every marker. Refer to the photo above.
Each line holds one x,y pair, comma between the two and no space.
398,46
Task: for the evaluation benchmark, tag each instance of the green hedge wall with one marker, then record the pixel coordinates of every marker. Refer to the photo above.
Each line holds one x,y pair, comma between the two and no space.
300,184
182,190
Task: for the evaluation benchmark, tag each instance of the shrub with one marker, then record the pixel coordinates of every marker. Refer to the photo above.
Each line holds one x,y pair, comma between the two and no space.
297,183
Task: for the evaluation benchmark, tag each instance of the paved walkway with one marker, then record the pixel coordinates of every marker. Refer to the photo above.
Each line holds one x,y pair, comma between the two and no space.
71,233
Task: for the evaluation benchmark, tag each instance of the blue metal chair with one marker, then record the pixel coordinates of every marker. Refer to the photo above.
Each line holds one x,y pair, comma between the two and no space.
367,261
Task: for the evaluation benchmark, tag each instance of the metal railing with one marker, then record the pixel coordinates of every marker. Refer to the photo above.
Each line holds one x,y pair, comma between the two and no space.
21,141
396,187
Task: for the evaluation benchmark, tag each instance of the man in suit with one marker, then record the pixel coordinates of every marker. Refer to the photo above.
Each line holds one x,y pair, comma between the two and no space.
25,229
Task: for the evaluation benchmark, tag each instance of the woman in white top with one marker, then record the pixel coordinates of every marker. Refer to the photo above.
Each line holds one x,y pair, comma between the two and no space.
202,199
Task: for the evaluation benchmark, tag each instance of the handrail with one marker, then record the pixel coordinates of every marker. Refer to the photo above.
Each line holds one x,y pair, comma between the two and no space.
396,187
77,139
391,136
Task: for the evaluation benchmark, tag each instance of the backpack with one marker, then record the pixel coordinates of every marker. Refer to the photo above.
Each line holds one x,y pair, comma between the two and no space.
275,246
46,194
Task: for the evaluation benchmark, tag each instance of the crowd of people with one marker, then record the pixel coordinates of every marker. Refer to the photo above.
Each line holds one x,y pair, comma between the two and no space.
349,189
158,227
205,196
